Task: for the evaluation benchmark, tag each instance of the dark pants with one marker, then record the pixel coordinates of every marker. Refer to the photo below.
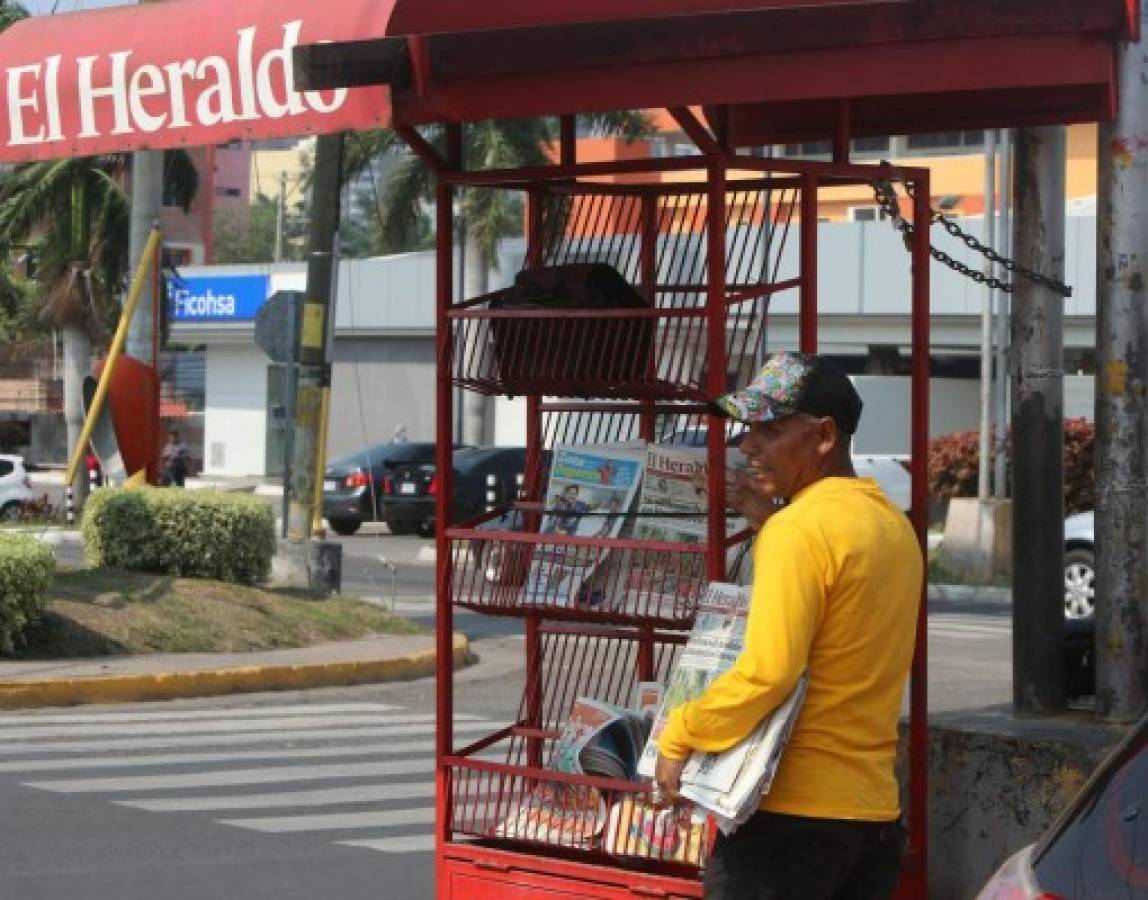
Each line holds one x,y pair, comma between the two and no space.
776,857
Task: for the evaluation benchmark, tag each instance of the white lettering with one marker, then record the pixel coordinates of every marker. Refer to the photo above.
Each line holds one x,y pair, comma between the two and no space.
153,75
189,305
215,104
175,75
17,102
89,94
315,100
270,104
246,66
52,97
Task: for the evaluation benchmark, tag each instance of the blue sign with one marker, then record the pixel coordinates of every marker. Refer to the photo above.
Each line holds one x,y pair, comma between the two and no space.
217,298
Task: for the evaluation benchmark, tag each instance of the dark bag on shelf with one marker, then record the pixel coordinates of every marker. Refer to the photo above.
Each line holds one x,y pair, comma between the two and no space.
563,354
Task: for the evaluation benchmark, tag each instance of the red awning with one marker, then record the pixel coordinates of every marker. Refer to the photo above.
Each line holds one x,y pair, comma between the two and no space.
180,73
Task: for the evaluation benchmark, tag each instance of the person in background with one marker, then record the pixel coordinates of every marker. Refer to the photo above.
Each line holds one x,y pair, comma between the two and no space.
175,460
837,585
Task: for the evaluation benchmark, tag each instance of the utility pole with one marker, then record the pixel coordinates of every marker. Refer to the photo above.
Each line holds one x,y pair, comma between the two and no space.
147,200
1000,383
314,378
280,216
1121,380
1038,424
984,469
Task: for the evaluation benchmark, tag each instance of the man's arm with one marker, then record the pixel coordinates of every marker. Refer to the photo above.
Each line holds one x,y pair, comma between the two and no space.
786,609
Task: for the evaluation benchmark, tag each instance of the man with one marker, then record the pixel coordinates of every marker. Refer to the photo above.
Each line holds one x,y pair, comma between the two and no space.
837,584
175,459
567,513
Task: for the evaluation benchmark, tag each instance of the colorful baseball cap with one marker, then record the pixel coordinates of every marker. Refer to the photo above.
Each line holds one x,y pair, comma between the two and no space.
789,383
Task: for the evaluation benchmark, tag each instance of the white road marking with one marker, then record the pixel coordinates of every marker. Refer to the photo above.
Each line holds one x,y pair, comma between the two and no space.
243,712
408,843
422,815
375,793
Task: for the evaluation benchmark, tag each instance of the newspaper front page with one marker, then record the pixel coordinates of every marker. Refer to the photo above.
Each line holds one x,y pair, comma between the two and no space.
590,492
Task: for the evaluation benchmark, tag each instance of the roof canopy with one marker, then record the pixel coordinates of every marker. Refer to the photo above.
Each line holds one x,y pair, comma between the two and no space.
784,70
193,72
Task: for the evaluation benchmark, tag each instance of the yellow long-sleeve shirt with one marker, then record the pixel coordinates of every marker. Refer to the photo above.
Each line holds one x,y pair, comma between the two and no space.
836,589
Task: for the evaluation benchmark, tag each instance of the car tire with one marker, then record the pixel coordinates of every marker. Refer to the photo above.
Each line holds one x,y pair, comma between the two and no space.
1079,584
426,529
402,528
345,527
10,511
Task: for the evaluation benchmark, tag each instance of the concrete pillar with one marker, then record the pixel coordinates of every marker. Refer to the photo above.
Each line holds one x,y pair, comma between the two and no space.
1121,380
1038,424
147,200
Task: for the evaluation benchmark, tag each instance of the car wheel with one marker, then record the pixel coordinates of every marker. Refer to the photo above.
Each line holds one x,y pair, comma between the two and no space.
426,529
10,512
344,527
1079,584
402,527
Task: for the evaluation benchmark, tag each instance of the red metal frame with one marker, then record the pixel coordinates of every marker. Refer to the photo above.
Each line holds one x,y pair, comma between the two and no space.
567,207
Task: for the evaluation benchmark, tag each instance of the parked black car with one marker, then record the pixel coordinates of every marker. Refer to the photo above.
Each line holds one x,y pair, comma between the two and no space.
1095,848
413,496
355,487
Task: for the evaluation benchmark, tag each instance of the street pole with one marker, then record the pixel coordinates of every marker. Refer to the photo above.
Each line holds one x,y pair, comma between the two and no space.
147,200
1000,383
314,376
984,467
1121,581
1038,424
280,216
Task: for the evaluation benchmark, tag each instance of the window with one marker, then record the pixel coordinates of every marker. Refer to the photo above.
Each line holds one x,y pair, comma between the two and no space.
866,214
174,257
865,146
228,192
946,141
6,468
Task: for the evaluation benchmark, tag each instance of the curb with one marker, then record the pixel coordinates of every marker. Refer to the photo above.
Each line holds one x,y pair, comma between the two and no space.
237,680
968,593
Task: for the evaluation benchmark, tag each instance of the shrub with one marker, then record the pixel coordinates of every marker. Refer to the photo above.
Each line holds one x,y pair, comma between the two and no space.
953,461
26,569
194,534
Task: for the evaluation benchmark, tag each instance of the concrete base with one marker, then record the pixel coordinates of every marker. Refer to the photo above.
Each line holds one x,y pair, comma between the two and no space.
996,782
978,537
312,565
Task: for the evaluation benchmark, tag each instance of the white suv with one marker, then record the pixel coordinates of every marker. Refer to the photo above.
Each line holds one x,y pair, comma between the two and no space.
15,487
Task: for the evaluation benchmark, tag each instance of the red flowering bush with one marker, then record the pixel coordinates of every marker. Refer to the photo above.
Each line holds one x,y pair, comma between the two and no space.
953,461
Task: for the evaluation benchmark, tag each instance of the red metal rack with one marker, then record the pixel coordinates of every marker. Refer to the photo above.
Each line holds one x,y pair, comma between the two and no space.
709,243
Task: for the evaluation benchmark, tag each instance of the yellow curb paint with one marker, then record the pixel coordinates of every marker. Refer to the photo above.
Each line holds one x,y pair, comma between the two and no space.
245,679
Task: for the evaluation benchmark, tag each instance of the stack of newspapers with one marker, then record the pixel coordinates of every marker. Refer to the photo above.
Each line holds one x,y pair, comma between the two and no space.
728,784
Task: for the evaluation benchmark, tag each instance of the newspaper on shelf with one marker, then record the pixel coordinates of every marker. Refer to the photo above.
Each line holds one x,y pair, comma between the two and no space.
590,492
565,815
673,506
728,784
639,829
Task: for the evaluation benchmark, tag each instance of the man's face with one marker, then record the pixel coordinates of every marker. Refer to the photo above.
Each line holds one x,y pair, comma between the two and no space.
571,494
787,455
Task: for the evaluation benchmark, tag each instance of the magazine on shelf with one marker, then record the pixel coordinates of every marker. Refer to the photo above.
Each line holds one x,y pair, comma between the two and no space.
601,739
590,492
728,784
639,829
567,815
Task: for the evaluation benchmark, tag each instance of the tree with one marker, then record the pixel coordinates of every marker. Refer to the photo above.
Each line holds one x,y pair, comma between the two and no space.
76,213
487,216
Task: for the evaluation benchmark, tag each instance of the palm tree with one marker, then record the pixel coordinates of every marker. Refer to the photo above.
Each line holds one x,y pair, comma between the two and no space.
76,212
487,216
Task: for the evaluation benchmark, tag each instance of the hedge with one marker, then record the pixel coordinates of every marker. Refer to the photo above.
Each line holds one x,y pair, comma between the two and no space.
193,534
26,569
953,461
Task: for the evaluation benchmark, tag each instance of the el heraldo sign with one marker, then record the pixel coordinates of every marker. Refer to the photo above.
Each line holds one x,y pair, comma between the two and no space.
177,73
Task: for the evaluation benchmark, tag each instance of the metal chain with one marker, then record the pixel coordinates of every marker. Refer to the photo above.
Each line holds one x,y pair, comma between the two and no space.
886,198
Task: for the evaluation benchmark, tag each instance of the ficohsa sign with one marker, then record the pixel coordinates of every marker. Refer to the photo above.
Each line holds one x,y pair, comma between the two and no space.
226,298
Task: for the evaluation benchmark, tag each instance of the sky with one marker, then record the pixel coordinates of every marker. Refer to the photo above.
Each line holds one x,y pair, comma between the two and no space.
43,7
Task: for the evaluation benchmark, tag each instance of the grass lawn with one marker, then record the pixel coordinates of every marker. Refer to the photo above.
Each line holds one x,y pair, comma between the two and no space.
100,612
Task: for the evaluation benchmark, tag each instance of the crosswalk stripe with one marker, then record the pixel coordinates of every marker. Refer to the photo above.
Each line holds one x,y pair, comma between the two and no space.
247,712
390,748
221,726
377,793
324,735
420,815
407,843
233,777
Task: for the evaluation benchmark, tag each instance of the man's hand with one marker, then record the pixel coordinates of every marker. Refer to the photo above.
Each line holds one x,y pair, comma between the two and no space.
667,780
748,498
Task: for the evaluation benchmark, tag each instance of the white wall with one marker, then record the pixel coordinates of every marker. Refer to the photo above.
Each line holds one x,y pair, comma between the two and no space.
235,420
885,418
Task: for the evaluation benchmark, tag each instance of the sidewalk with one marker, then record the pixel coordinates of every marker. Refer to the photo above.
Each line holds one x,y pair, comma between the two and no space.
169,676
